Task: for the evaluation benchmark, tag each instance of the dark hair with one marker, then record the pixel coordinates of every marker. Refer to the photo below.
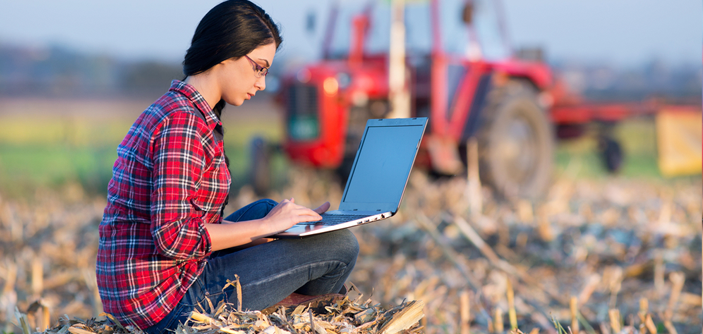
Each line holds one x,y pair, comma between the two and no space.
231,29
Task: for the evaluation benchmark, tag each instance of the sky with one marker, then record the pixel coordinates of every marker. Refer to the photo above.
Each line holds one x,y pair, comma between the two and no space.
621,32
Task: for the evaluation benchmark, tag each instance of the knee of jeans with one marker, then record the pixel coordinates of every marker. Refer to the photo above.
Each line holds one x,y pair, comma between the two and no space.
346,244
263,206
268,202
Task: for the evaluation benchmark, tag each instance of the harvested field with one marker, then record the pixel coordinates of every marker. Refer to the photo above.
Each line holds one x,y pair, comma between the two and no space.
599,255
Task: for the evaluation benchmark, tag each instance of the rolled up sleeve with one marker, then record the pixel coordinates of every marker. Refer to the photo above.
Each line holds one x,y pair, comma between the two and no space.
176,218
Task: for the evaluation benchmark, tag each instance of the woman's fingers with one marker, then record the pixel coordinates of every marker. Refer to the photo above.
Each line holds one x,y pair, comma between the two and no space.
287,210
303,211
323,208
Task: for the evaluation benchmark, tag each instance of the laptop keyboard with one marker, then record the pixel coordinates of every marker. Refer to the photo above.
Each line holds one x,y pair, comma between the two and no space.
335,219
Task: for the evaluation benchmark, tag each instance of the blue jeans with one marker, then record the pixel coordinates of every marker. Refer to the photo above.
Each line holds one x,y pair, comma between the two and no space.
269,272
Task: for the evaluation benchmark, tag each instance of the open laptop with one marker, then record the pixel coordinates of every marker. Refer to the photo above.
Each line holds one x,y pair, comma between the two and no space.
377,179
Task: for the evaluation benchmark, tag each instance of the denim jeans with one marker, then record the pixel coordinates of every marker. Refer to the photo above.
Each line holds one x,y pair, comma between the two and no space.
268,272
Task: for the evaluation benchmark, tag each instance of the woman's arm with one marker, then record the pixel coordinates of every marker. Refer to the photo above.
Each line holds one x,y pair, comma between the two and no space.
179,158
282,216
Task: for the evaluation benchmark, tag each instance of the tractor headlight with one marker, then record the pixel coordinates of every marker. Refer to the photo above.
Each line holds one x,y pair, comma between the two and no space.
331,86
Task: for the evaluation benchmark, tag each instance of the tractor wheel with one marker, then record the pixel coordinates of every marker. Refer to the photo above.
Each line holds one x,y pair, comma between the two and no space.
516,143
259,166
611,153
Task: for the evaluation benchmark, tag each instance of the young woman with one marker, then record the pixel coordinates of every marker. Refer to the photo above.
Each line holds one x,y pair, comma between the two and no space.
164,245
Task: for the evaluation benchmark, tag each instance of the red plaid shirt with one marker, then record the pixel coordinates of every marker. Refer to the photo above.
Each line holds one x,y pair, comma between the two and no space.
169,179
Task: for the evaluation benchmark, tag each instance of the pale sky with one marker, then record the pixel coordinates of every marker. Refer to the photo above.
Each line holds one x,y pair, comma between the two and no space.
625,32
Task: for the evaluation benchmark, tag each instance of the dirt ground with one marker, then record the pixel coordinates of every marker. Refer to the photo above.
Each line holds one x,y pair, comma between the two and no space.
606,245
610,244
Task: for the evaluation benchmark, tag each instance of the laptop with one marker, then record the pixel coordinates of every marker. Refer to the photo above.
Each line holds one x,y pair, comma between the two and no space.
377,180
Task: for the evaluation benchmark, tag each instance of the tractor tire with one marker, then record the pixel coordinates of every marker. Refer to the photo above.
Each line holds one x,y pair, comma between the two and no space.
259,166
611,154
516,143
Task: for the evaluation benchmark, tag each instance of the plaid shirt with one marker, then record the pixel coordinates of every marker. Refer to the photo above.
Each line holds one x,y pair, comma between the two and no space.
169,179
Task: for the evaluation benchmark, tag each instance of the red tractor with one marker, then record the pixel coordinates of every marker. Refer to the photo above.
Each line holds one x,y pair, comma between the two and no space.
458,72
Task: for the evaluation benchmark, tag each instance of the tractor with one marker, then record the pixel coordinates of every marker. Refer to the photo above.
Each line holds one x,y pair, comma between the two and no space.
454,65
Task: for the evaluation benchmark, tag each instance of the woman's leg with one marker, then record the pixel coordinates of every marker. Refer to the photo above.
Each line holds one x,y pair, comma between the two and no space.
198,292
270,272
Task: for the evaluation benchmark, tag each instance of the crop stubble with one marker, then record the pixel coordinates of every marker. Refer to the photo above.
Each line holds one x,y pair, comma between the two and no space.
594,255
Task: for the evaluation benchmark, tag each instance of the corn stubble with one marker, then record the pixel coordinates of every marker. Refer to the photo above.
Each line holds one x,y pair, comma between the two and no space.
594,256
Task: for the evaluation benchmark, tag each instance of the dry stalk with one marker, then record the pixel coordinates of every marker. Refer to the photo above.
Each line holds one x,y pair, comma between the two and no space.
238,288
312,322
511,304
37,276
615,285
474,182
10,278
644,309
650,324
498,320
659,274
431,228
670,327
482,246
77,330
199,317
591,284
465,311
604,329
544,229
404,319
42,320
677,281
574,315
524,211
22,321
499,263
615,321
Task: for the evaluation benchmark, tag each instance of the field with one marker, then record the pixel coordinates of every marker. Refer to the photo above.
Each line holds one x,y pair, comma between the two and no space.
608,241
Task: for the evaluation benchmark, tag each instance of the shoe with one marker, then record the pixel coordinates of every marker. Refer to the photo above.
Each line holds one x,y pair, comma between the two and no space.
315,302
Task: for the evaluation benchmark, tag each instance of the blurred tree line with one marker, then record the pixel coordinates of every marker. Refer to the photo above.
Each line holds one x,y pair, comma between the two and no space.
57,71
60,72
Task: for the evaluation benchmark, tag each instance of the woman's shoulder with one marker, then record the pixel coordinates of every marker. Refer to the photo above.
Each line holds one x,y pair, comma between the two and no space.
173,107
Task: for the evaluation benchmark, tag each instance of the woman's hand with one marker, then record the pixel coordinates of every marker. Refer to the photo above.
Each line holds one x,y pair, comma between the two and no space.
287,213
248,233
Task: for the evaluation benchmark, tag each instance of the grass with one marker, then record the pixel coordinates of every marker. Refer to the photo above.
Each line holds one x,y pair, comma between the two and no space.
41,149
28,166
638,140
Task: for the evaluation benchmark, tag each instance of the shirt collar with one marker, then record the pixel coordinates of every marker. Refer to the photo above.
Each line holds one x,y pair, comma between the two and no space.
198,101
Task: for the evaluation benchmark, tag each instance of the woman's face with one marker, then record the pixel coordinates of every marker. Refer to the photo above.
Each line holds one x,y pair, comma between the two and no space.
239,80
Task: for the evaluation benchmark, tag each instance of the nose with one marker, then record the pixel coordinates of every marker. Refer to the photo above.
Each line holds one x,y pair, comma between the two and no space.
260,83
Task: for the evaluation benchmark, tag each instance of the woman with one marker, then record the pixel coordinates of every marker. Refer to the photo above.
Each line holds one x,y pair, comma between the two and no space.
164,246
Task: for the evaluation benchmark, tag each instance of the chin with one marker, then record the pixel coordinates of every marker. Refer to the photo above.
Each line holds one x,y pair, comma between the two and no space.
236,103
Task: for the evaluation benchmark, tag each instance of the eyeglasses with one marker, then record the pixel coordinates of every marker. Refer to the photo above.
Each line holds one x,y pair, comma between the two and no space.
258,69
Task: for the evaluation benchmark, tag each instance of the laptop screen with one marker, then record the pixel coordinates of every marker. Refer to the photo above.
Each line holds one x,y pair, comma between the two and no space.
383,163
